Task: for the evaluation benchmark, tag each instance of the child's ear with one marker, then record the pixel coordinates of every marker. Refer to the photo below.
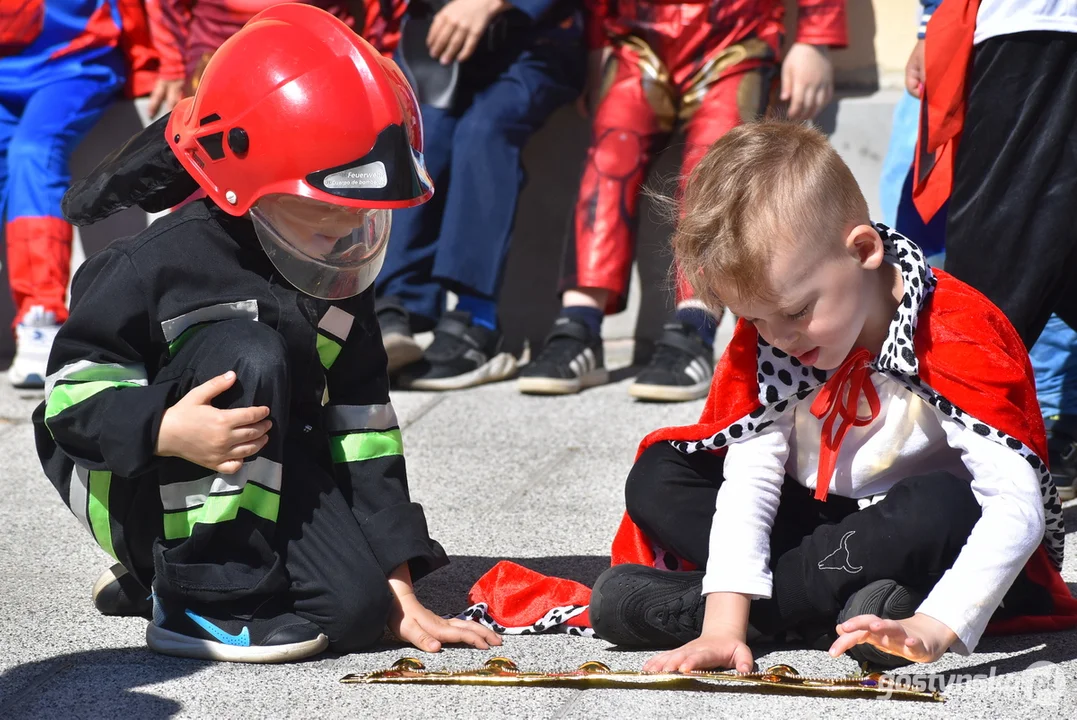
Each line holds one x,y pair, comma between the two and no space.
865,246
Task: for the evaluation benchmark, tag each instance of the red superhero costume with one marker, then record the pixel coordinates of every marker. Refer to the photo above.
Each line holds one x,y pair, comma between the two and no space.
707,64
969,364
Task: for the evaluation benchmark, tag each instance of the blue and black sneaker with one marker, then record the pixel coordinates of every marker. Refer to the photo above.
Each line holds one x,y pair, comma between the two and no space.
256,638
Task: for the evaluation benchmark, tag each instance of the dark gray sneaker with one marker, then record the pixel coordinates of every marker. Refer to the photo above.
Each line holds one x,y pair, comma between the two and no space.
462,355
117,592
571,359
888,600
680,369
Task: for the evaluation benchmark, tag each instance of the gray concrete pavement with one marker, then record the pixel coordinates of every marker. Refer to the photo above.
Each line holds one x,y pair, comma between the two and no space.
501,476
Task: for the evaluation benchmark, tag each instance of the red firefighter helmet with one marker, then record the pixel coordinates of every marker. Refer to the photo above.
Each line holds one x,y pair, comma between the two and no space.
295,107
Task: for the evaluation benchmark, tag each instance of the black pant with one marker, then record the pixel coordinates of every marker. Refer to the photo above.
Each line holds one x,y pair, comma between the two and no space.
310,551
821,552
1011,231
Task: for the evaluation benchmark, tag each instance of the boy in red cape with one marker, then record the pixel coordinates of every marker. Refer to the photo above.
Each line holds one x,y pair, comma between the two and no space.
868,471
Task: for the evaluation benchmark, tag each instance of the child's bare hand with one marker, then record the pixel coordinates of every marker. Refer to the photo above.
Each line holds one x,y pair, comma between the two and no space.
914,70
704,653
216,439
413,623
807,80
165,95
921,638
458,27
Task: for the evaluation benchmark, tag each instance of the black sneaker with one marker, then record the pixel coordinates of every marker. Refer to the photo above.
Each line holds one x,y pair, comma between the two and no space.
571,360
117,592
639,606
462,355
395,324
258,638
888,600
1062,455
680,369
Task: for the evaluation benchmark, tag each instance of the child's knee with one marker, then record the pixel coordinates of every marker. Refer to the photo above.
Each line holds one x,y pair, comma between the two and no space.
255,351
643,485
357,609
944,505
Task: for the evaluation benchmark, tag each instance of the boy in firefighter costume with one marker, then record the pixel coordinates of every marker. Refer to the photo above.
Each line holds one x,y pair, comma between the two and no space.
710,66
869,468
62,63
184,420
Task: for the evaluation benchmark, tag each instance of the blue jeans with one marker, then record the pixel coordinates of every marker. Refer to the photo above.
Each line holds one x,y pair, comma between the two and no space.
1055,365
459,240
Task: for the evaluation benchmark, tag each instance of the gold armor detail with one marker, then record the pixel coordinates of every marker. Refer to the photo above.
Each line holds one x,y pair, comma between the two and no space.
669,106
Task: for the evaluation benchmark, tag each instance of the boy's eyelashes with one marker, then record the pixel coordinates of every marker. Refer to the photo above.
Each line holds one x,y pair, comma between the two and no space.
788,315
801,313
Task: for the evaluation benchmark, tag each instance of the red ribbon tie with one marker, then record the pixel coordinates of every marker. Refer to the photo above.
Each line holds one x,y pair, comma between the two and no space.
839,400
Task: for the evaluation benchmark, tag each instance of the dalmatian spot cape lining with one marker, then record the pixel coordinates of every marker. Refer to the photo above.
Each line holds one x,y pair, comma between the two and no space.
947,344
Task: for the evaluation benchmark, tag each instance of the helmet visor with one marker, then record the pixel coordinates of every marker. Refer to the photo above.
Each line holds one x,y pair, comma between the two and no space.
327,251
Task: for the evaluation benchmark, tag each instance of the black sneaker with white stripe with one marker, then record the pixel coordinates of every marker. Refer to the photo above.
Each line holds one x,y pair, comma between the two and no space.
680,369
571,360
462,355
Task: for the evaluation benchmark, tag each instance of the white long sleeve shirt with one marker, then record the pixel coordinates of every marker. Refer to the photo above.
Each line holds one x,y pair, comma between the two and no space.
907,438
1007,17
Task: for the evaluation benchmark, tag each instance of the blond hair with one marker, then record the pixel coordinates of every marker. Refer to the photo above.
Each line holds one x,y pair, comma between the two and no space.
760,184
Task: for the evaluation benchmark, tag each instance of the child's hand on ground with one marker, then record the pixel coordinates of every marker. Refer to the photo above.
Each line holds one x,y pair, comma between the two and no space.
705,652
458,27
921,638
807,80
413,623
216,439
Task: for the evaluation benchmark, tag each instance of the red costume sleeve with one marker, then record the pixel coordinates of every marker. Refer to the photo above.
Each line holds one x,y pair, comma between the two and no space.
170,23
822,22
143,60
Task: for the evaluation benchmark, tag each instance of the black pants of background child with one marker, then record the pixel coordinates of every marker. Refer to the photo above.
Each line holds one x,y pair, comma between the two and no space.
1015,241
